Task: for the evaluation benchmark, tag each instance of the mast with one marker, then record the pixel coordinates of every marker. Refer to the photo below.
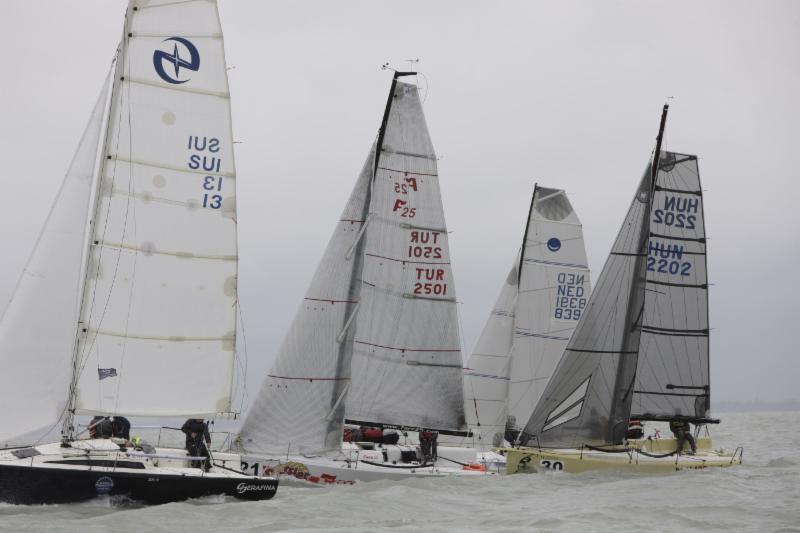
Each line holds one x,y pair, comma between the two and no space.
626,368
351,307
525,236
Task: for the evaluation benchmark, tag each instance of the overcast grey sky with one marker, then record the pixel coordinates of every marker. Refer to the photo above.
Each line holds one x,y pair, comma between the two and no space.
564,93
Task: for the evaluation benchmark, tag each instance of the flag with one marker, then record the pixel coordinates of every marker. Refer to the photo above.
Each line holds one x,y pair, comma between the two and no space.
107,372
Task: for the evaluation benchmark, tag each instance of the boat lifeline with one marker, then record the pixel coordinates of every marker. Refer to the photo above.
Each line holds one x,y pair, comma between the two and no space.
127,305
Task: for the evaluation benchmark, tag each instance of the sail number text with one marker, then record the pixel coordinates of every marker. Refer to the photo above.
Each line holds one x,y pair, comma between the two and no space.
570,296
204,156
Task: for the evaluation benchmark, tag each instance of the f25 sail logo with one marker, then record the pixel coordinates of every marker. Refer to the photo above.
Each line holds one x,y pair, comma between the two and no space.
170,66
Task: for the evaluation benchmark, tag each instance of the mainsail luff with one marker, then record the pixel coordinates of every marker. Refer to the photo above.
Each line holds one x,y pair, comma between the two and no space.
626,369
161,272
344,359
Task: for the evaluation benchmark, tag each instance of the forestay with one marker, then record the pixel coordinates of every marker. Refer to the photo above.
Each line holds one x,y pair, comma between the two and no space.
158,314
37,329
407,364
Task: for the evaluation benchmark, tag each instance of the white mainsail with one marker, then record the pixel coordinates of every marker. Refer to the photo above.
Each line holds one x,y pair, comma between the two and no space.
159,300
38,325
407,362
536,313
376,336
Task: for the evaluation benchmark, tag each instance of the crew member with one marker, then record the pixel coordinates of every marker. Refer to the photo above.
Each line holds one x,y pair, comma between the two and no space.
635,429
683,432
197,441
101,428
121,428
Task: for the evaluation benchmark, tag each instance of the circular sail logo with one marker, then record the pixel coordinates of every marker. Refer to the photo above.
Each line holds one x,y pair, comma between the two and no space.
104,484
172,65
553,244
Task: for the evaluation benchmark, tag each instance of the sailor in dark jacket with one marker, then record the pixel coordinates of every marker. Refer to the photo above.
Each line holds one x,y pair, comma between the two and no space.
683,432
197,441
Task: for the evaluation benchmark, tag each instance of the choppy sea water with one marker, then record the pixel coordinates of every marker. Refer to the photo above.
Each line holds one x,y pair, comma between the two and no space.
761,495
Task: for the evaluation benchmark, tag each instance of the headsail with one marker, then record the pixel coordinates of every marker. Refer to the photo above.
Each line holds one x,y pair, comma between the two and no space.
300,406
486,376
38,325
407,362
158,314
641,348
529,328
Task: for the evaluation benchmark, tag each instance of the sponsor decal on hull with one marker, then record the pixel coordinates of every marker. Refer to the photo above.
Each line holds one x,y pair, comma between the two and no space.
300,471
104,485
243,487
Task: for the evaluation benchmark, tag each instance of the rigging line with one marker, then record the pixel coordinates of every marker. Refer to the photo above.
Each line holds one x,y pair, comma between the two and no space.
243,364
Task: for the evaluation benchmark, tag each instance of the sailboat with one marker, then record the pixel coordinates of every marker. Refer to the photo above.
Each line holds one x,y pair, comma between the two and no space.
127,305
373,353
640,351
539,306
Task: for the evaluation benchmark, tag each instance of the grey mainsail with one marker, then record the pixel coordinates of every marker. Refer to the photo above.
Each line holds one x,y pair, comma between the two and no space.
641,348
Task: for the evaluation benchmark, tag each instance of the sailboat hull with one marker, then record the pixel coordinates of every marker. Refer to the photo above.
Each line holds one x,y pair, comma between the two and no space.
355,465
48,478
32,485
640,456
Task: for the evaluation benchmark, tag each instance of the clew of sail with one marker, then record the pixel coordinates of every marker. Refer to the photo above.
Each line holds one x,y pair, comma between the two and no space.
300,406
38,325
158,313
407,364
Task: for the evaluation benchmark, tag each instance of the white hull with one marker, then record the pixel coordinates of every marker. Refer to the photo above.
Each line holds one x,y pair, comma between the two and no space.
354,464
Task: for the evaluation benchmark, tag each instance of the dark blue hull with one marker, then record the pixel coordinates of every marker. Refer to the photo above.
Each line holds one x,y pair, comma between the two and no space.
35,485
